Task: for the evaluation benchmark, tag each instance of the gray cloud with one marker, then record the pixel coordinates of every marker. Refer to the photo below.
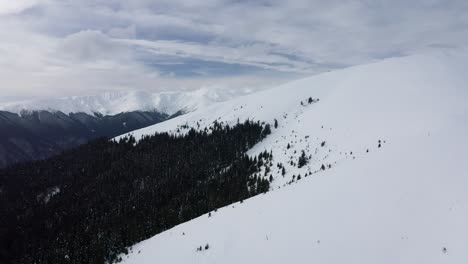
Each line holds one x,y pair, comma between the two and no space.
75,47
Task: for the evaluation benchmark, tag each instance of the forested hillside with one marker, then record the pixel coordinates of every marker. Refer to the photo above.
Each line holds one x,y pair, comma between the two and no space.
91,203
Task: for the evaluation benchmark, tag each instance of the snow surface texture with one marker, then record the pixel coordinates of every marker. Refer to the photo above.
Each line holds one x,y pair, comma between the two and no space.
403,202
112,103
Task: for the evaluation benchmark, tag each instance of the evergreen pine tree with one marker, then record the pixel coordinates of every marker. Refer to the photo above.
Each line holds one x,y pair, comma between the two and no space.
302,160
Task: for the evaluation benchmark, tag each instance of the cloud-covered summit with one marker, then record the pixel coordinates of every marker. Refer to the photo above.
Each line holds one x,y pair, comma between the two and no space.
81,47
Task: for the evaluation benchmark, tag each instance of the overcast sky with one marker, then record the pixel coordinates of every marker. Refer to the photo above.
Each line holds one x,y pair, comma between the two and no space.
76,47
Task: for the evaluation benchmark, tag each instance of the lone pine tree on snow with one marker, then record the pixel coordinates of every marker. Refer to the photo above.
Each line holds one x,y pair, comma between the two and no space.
302,160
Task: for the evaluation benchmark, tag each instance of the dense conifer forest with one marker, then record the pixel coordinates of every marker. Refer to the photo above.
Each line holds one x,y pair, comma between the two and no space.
91,203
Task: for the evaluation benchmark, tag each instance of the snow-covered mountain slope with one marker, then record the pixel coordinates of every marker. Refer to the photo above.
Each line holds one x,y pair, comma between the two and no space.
392,137
112,103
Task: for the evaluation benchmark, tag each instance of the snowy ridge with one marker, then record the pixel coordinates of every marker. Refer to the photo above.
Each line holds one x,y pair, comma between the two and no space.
392,139
112,103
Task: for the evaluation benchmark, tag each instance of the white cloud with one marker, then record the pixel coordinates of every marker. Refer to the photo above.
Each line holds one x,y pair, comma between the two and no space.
92,45
89,62
70,47
9,7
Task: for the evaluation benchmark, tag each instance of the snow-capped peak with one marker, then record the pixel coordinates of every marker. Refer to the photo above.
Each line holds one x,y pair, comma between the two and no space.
111,103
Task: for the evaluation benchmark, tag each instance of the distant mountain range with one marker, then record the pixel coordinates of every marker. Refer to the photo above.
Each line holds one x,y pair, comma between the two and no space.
39,128
113,103
41,134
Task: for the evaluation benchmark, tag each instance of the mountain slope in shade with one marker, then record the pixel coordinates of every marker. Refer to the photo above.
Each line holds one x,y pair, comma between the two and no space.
113,103
386,178
42,134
